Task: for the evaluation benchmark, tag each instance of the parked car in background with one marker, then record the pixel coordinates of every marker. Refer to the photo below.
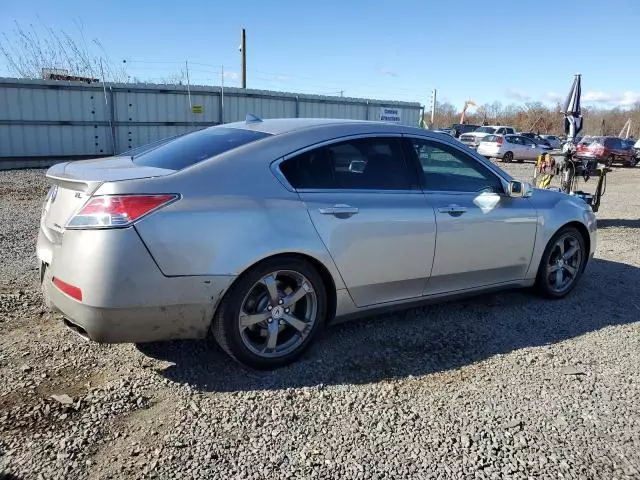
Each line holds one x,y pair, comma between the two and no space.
537,139
510,147
553,140
458,129
608,150
258,233
629,144
473,139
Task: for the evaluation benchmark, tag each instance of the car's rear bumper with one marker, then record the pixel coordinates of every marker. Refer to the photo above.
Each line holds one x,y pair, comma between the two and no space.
489,152
125,297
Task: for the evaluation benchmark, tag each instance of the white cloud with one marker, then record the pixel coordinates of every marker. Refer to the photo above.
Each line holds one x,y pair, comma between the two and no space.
517,94
387,72
624,99
554,96
232,75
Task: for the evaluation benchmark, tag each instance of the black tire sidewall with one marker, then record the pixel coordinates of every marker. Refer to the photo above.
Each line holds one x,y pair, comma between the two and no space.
225,324
542,282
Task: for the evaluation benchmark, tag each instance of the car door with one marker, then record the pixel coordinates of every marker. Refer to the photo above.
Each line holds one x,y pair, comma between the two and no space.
365,202
530,150
516,145
484,237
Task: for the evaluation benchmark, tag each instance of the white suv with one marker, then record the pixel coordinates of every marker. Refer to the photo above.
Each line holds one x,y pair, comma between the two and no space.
474,138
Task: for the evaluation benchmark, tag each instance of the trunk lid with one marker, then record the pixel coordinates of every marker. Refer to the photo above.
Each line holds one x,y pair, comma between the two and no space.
75,182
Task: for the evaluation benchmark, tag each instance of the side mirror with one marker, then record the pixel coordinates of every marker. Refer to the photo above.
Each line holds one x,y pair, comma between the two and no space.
519,189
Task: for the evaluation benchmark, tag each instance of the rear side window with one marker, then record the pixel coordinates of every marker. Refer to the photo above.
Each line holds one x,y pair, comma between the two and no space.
510,131
363,164
197,146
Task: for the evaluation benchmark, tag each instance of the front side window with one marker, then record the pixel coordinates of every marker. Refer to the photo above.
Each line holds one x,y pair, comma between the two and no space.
447,169
361,164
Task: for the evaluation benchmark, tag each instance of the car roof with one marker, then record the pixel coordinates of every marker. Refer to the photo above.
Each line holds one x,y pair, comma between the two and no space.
278,126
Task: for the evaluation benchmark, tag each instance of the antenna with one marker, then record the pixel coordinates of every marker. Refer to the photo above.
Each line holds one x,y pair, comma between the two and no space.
251,118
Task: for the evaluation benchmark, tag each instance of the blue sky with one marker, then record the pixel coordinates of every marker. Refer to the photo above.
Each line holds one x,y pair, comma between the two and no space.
503,50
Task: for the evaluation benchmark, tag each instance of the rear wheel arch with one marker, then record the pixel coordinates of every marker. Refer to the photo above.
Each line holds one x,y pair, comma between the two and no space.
323,271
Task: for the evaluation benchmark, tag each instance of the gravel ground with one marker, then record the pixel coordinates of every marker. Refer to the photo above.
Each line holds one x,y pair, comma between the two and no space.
501,386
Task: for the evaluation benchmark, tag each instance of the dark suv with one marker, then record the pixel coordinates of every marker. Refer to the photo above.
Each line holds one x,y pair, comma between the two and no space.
608,150
458,129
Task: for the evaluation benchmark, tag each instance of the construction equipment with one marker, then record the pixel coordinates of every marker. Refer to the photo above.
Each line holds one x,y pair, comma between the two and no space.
627,127
467,104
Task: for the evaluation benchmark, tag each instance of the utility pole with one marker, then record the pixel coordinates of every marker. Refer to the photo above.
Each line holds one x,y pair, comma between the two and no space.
222,95
433,106
243,51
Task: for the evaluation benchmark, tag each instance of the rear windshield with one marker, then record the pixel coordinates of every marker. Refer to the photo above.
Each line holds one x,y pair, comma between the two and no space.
491,138
486,130
195,147
134,152
589,140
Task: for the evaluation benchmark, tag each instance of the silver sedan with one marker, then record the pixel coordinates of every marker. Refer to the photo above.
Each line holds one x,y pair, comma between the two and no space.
259,233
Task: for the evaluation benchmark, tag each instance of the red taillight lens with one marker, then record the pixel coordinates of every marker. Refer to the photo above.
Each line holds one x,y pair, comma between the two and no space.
112,211
499,140
73,292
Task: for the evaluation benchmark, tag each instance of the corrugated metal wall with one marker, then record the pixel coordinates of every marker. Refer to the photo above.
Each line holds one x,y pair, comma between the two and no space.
41,120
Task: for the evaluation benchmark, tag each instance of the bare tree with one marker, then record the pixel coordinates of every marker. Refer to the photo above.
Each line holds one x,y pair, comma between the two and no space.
30,50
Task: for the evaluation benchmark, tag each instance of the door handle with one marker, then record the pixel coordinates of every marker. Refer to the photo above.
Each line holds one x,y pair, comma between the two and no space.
453,210
339,210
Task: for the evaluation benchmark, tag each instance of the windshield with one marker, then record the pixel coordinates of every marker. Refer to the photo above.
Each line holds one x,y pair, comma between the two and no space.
195,147
486,130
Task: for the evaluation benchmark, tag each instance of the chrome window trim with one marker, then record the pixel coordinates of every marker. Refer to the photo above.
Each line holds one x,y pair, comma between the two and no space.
275,165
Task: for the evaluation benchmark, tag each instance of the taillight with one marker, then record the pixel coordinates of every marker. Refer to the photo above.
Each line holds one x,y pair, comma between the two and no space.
597,148
114,211
499,140
73,292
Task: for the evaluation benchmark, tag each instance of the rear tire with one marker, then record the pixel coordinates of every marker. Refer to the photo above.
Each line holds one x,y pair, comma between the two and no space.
507,157
560,269
609,162
259,324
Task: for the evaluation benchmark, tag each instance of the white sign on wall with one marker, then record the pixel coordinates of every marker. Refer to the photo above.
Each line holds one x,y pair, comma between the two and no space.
390,115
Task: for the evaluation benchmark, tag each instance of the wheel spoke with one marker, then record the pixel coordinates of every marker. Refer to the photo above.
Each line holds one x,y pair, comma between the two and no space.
571,270
270,282
570,253
272,336
560,246
559,278
247,320
299,325
552,268
290,300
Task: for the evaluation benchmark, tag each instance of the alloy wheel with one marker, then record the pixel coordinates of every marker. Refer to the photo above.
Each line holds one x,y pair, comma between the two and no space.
278,313
565,261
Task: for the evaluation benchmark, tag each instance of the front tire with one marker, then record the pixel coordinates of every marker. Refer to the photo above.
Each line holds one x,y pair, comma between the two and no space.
272,313
562,264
